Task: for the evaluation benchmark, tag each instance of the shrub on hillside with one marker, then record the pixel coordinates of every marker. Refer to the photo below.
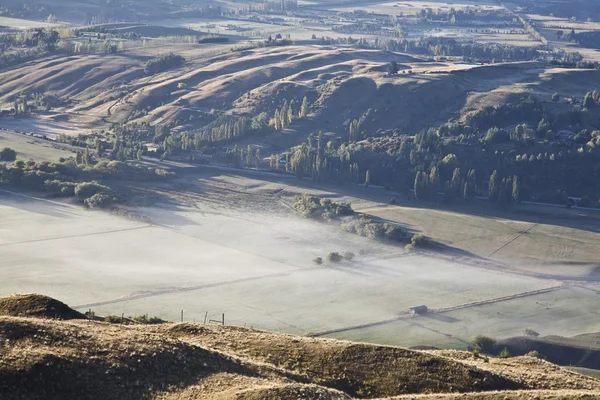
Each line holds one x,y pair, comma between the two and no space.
504,353
163,63
318,261
535,354
349,256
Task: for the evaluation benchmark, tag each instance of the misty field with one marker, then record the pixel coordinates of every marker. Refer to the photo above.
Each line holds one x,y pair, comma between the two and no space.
250,259
564,312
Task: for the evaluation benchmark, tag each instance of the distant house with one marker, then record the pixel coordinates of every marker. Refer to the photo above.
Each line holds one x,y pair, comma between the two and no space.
152,148
418,310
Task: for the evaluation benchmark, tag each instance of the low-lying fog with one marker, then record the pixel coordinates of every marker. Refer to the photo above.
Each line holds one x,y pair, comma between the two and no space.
257,269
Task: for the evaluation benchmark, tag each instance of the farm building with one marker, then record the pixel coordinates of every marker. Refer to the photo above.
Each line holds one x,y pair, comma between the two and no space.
417,310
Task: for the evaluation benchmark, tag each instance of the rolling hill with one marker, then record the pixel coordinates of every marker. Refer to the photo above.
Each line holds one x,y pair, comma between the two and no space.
41,358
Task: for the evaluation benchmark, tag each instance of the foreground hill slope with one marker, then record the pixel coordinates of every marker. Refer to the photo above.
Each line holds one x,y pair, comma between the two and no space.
41,358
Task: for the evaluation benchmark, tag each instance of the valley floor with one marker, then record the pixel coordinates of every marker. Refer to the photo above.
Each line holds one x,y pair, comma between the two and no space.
224,244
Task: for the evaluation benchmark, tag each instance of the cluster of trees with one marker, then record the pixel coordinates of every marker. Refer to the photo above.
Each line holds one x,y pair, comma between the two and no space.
68,178
468,50
466,14
287,113
163,62
359,224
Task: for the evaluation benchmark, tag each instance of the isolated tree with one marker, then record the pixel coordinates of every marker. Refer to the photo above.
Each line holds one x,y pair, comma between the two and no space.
516,189
277,120
249,157
494,186
87,157
367,178
99,148
354,131
392,68
456,182
304,108
8,154
52,19
421,181
555,97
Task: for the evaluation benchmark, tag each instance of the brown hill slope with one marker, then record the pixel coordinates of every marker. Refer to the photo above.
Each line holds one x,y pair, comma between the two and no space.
341,83
37,305
41,358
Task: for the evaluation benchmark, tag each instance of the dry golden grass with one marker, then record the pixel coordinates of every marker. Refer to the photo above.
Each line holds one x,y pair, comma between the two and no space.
531,372
42,358
36,305
360,370
510,395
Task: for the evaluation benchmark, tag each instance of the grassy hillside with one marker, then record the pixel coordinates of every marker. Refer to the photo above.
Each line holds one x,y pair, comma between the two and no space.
191,361
341,84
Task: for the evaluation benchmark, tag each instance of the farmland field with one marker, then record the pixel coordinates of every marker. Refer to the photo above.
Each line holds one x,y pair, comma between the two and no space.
29,148
228,245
